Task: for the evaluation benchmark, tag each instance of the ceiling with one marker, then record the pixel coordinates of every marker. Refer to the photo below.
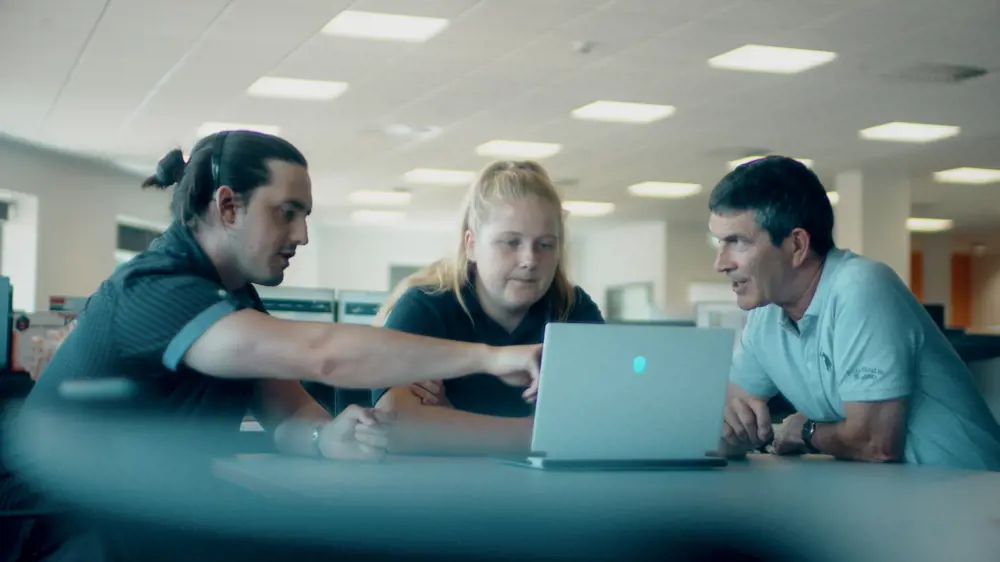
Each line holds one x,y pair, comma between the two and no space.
126,80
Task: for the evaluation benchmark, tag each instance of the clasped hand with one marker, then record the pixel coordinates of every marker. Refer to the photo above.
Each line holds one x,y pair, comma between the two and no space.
356,434
746,426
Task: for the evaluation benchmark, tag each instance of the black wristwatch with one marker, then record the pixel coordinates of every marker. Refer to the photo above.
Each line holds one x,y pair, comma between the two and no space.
808,429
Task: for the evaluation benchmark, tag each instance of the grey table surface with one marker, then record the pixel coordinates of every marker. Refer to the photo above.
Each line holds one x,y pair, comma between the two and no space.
809,507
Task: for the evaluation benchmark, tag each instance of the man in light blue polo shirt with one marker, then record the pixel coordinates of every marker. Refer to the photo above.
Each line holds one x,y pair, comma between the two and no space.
839,335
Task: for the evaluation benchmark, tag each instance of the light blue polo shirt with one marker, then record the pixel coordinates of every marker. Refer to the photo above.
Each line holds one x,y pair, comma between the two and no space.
866,338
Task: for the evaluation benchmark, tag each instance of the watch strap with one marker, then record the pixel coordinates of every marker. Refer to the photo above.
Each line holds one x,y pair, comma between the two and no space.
316,433
808,430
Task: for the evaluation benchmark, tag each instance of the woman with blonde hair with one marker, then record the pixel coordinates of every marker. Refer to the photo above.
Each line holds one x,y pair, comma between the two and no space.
506,281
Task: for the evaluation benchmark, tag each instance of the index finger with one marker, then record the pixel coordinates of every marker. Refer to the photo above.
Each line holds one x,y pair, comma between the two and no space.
383,416
434,387
532,391
365,417
535,371
763,415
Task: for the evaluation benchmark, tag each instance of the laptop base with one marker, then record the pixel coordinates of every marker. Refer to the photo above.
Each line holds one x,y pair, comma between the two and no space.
542,463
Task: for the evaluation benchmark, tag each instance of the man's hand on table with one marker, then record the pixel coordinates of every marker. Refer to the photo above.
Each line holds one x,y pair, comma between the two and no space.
356,434
746,425
788,436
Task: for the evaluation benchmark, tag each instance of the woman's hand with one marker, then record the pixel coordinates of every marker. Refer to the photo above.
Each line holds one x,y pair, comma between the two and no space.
431,393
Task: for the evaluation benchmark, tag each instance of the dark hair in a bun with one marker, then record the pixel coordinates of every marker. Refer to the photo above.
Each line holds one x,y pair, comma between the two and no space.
169,171
237,159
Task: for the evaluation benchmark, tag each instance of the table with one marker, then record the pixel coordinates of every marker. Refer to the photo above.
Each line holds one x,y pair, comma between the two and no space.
809,508
164,475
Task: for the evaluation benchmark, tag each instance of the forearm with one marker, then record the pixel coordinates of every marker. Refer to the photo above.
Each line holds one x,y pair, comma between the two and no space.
294,436
446,431
847,442
422,429
354,356
248,344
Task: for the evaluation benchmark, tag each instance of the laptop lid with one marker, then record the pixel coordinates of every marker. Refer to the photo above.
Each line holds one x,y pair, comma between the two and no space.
631,392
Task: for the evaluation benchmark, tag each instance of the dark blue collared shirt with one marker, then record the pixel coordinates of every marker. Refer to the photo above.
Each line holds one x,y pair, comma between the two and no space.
139,324
440,315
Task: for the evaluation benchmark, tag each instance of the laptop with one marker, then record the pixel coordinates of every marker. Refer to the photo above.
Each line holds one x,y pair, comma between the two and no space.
630,397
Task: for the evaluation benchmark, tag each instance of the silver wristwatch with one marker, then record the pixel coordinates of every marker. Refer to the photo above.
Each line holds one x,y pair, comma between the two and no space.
317,431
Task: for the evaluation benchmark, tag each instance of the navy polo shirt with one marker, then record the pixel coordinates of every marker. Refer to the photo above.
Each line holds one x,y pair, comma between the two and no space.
139,324
440,315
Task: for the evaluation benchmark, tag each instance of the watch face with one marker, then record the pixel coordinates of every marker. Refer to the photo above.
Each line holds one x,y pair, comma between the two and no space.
808,429
315,440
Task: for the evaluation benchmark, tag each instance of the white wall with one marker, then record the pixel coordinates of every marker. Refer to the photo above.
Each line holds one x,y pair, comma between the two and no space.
78,202
621,255
20,247
303,271
986,293
690,259
359,257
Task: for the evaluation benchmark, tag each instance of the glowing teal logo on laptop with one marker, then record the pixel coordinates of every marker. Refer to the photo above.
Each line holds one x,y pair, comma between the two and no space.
639,365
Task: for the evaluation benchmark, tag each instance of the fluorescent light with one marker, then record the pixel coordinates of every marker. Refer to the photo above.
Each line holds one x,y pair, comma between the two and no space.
780,60
439,177
364,197
377,217
928,225
623,112
976,176
664,190
518,149
834,197
733,164
296,89
391,27
588,208
213,127
909,132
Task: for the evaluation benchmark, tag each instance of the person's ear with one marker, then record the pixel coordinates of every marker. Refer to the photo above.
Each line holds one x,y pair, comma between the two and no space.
800,242
226,202
470,246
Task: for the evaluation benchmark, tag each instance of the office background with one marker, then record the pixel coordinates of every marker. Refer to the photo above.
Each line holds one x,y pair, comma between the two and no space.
89,118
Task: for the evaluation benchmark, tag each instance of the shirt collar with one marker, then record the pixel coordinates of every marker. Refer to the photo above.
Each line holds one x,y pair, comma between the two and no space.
818,302
179,240
540,312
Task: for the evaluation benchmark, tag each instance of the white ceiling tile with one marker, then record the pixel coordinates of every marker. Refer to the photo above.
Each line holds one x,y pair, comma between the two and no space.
609,27
31,81
771,16
426,8
530,15
671,9
336,58
507,68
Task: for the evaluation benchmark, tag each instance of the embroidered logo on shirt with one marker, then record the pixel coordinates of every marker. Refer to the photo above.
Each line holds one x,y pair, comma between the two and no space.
866,373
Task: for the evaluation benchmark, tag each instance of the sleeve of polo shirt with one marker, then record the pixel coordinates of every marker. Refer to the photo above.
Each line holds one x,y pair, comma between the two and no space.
413,313
876,336
746,371
159,317
585,310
